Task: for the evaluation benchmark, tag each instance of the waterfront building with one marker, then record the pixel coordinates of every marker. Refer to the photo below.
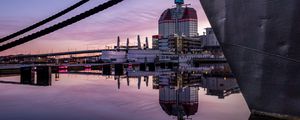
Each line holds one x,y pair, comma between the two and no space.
137,54
163,44
178,40
155,39
188,45
184,45
211,44
178,30
113,56
209,39
141,56
187,22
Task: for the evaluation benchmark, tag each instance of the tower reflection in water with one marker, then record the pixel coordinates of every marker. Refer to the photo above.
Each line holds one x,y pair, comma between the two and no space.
178,94
179,90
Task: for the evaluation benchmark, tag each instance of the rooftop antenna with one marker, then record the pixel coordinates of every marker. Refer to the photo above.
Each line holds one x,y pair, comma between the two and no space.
118,43
147,44
139,42
179,4
127,44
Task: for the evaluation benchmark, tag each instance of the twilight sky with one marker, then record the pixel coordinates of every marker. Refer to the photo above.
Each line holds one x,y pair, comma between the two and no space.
127,19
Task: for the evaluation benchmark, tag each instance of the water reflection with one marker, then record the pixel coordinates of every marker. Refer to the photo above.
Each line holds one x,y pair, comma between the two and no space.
178,92
178,95
221,87
178,89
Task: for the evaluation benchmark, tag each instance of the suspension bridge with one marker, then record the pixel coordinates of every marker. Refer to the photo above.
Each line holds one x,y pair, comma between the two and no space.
55,27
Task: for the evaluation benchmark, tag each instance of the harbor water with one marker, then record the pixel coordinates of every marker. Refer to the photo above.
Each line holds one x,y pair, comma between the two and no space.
90,95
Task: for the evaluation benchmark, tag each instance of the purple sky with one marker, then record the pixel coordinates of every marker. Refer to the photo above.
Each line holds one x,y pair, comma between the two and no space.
127,19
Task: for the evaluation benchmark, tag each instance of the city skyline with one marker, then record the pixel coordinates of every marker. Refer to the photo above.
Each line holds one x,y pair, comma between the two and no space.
150,59
140,18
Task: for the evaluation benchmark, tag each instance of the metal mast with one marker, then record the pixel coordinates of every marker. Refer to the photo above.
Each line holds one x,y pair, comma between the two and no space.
179,4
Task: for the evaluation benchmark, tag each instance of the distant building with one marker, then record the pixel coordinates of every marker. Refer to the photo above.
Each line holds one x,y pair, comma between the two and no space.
187,21
163,44
178,30
141,56
184,45
211,43
113,56
209,38
155,39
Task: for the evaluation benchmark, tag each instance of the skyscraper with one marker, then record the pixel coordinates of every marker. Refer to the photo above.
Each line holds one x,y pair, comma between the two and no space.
186,19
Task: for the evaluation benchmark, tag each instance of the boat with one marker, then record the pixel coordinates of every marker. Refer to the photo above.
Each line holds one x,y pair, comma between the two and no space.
260,39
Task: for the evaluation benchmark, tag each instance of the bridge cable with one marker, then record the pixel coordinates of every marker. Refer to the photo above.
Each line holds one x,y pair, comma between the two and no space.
36,25
60,25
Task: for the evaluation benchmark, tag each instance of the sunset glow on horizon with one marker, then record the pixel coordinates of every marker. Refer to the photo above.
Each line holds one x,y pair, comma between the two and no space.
127,20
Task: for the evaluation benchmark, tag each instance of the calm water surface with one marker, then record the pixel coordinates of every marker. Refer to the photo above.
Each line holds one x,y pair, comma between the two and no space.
97,97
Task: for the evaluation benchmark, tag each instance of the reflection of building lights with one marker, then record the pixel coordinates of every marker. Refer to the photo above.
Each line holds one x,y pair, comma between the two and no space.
63,67
87,69
88,66
63,71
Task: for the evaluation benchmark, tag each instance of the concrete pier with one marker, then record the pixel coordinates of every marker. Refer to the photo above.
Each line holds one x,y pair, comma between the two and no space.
143,67
170,65
151,66
128,81
119,69
119,82
56,76
27,75
96,67
146,79
43,74
162,65
55,69
139,82
106,69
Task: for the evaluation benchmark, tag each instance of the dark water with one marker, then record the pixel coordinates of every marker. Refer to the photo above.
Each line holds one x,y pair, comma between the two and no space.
167,96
